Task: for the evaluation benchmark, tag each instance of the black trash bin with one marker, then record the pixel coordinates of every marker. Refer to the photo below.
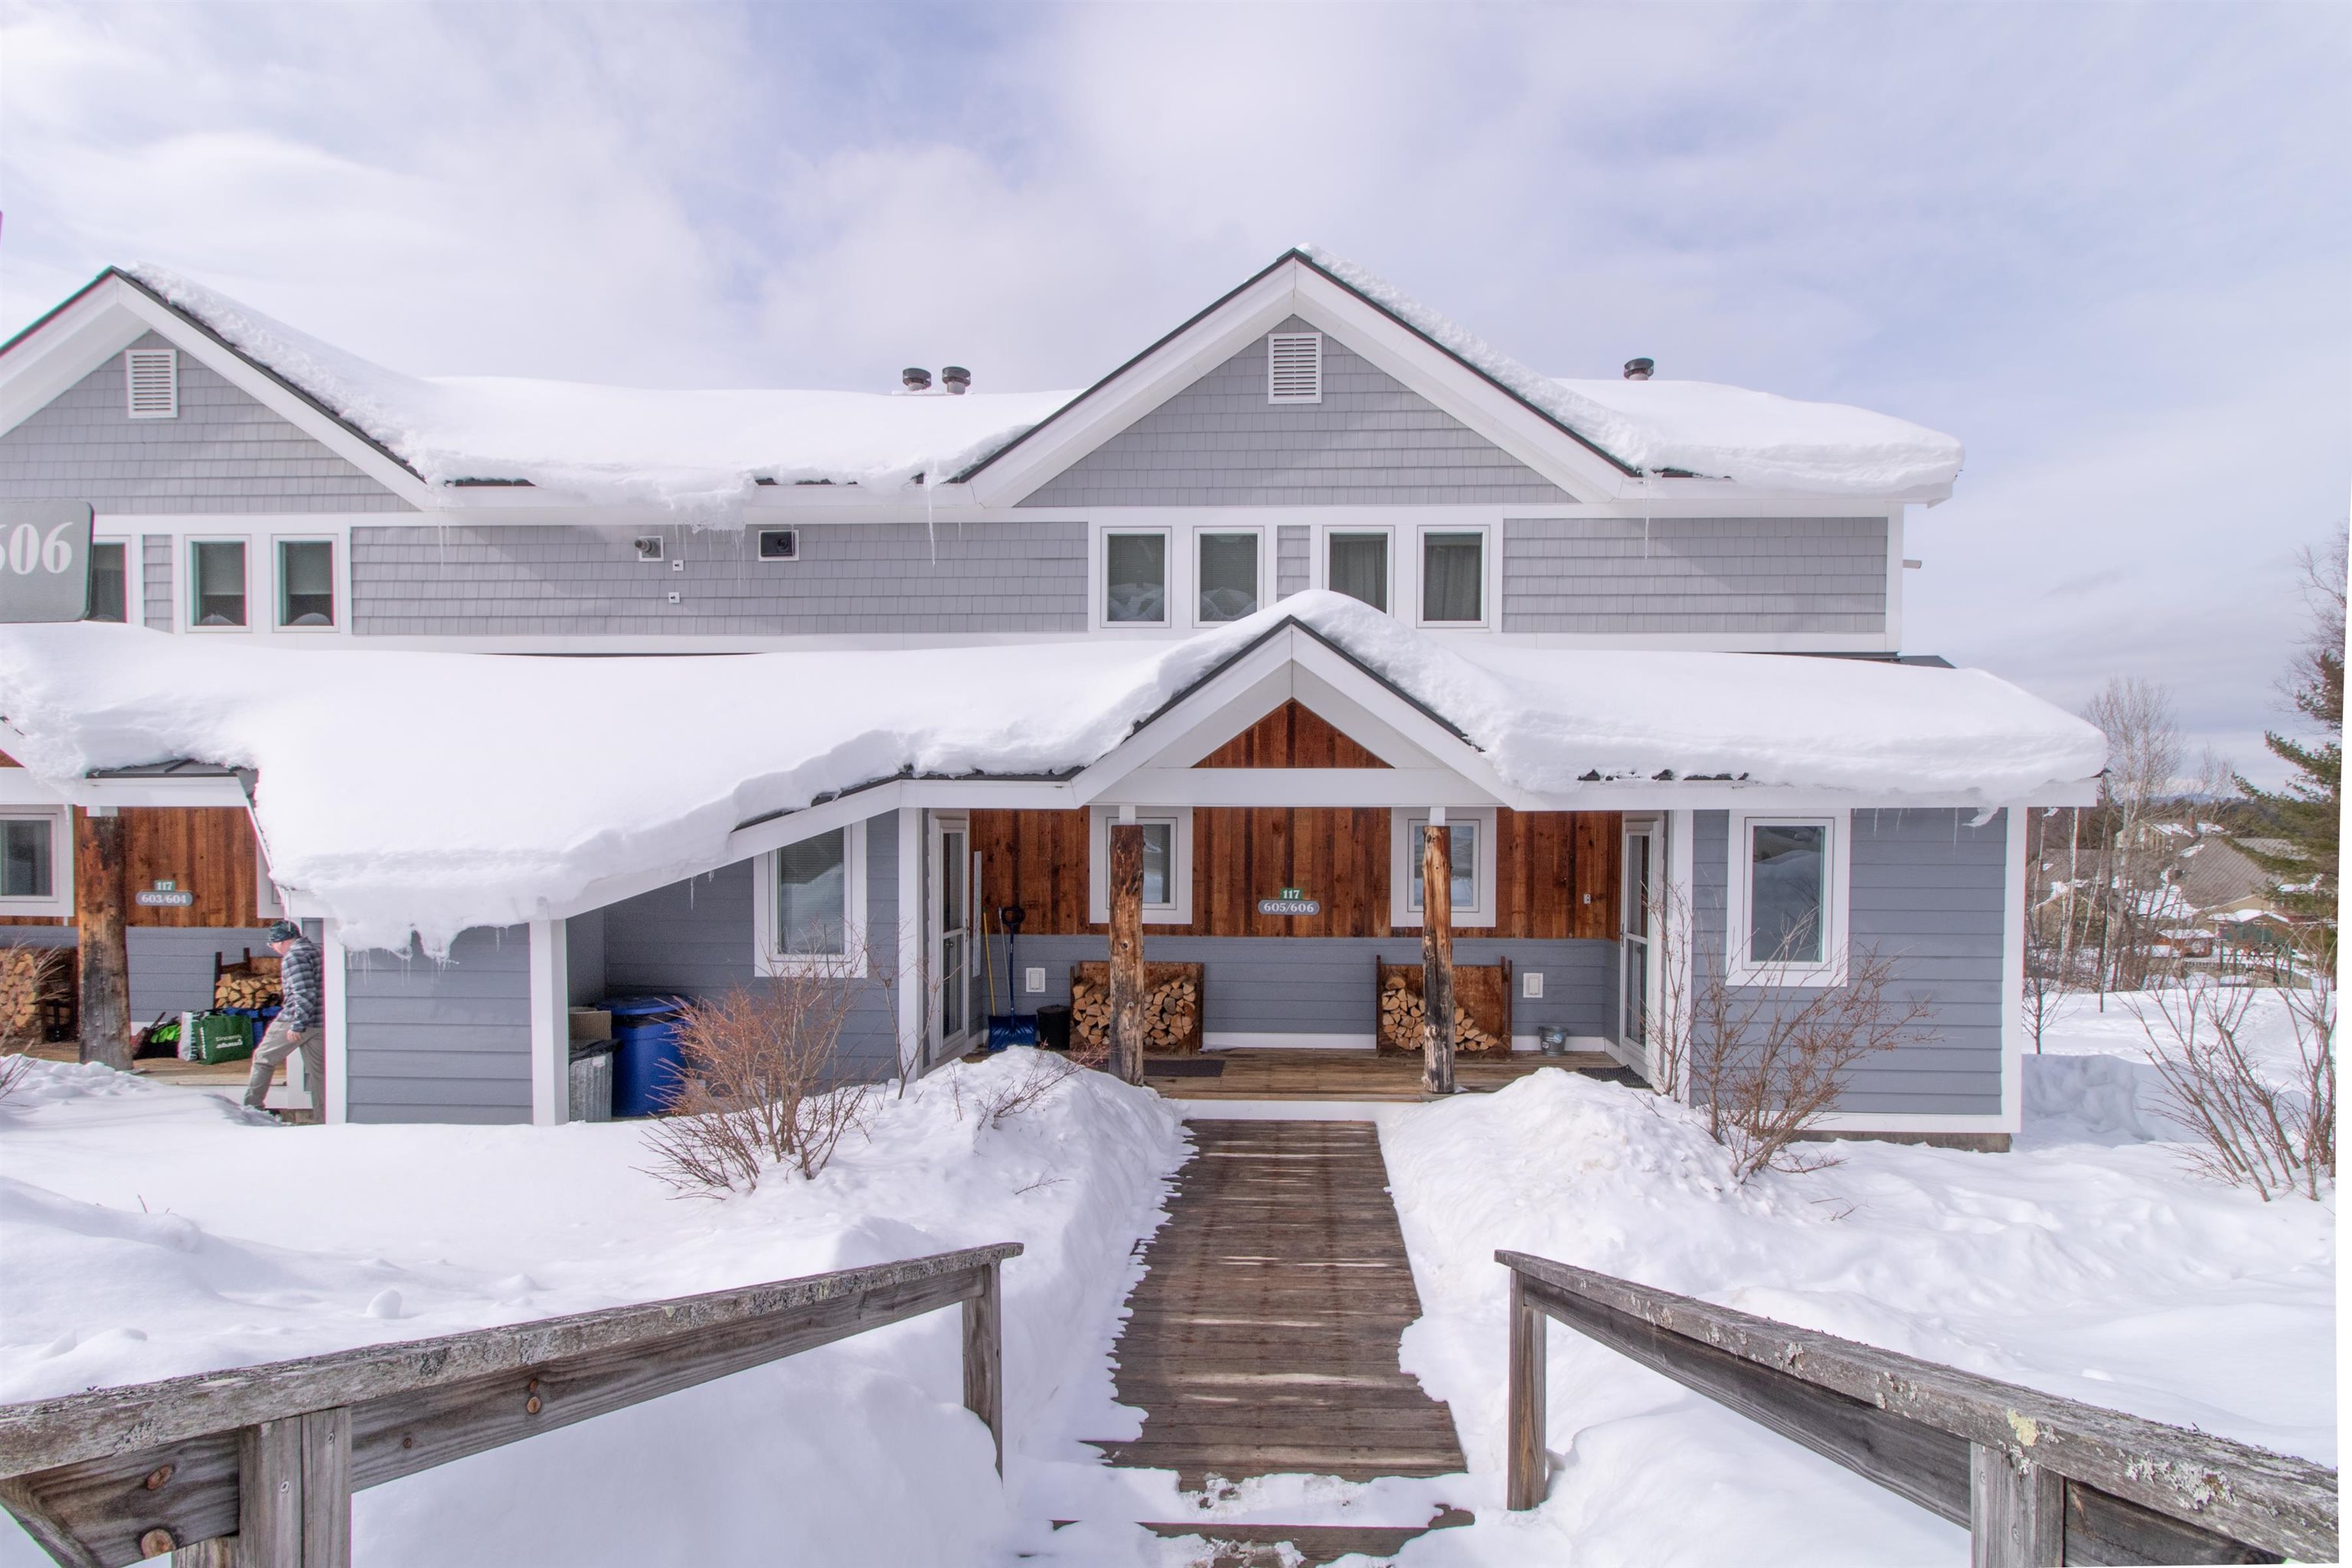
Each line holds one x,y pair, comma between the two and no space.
1053,1026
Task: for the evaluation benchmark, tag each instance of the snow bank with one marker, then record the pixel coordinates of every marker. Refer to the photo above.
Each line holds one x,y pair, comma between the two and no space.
1698,427
2090,1263
150,1231
437,791
694,450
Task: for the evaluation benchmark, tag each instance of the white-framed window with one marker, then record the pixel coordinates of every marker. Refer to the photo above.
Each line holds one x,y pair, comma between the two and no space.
1470,839
1360,562
1786,897
217,586
1135,577
35,860
306,577
1228,573
809,905
1453,586
1167,863
151,383
1294,367
111,561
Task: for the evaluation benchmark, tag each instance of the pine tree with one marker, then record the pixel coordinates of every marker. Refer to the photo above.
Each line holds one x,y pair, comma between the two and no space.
2306,813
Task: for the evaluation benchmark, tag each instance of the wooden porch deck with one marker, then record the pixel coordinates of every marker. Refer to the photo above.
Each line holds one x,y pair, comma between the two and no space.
1274,1074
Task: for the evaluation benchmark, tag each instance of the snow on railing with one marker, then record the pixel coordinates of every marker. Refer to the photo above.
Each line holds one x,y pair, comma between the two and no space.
2035,1479
256,1465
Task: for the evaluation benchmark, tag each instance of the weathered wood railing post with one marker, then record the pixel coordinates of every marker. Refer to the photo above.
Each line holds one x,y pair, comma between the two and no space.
1527,1463
1437,953
984,1356
2016,1512
1126,988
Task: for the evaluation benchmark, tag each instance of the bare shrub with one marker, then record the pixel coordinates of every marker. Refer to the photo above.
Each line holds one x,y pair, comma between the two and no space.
1773,1058
28,976
1031,1082
761,1089
2250,1130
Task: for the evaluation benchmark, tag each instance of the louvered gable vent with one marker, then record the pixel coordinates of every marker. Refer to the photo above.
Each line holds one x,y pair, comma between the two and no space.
152,376
1294,367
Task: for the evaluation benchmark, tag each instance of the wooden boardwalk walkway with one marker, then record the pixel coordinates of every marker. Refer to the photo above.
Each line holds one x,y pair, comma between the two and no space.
1264,1335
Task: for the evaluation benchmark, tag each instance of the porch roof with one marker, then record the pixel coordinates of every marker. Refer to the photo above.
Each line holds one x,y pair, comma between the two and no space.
404,790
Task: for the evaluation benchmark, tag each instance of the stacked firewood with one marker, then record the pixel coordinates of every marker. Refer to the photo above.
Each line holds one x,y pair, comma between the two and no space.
27,975
1404,1022
1169,1014
253,983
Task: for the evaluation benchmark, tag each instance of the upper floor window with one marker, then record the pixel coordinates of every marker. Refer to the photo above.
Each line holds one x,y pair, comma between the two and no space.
1135,579
109,582
1228,576
306,583
1788,898
1358,566
1294,367
150,382
217,582
1453,577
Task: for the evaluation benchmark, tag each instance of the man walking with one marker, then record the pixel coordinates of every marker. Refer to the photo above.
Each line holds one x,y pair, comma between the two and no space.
296,1026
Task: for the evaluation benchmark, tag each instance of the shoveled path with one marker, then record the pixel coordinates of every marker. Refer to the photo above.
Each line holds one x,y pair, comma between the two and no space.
1262,1337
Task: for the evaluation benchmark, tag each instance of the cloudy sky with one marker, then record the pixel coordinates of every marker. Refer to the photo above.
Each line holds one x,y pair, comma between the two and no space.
2106,244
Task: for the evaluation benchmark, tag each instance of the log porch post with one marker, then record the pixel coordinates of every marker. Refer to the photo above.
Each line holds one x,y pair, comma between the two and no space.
1126,988
1437,953
101,874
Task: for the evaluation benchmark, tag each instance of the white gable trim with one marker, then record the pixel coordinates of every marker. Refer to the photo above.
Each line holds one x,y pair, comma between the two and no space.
112,315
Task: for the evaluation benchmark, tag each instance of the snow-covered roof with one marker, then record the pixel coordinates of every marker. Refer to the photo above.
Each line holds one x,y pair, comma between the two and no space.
438,791
601,444
1698,427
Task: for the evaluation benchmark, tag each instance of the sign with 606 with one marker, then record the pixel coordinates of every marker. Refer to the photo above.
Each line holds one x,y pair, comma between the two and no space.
44,561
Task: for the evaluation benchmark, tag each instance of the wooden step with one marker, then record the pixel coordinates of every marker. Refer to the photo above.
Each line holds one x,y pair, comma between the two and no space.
1261,1545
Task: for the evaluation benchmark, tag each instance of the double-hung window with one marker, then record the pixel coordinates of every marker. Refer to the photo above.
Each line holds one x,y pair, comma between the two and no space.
1135,578
36,861
1453,577
810,912
1787,904
1167,864
1228,575
1470,848
110,580
306,583
1355,562
216,583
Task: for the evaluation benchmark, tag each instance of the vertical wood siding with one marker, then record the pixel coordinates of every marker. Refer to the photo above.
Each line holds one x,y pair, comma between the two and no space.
207,850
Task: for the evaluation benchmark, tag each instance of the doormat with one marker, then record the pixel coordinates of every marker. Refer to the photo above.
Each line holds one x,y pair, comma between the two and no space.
1183,1066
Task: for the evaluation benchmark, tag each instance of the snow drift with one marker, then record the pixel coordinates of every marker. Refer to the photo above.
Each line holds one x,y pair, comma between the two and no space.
435,791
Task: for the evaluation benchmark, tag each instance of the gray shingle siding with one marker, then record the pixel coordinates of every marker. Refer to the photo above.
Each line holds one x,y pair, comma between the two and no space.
1929,892
1293,554
224,453
155,580
171,966
1684,575
505,580
1323,986
442,1041
695,939
1370,441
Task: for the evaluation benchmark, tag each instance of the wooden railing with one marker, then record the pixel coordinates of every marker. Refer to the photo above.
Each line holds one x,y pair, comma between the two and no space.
255,1467
2036,1480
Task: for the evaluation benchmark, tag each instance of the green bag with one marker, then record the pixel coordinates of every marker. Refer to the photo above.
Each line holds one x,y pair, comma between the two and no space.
212,1037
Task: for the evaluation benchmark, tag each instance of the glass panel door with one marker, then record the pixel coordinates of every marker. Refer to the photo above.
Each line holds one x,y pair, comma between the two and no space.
951,928
1636,921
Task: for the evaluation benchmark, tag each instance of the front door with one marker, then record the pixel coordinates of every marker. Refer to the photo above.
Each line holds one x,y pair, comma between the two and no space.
1637,948
951,932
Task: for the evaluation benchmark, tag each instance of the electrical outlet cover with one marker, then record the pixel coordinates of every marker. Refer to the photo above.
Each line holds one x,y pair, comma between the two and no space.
1531,982
1034,980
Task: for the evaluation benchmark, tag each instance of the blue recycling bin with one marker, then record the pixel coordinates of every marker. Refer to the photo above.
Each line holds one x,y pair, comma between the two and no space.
650,1068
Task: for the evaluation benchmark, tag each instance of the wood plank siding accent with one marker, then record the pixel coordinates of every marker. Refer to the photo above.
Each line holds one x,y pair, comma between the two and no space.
1292,736
1557,870
206,850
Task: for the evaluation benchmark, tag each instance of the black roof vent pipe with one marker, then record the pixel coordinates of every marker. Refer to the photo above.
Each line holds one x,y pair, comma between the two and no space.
1640,369
914,378
956,379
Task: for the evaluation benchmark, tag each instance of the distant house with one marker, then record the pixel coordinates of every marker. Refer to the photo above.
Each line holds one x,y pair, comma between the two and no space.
1309,577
